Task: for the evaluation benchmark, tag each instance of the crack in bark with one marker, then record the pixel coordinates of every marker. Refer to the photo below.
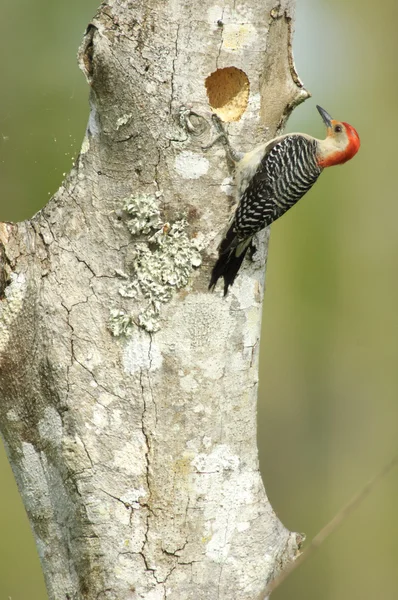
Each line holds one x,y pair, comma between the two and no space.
87,452
156,180
222,36
127,139
71,251
147,471
174,552
173,70
149,378
125,504
144,431
84,262
68,367
76,360
142,551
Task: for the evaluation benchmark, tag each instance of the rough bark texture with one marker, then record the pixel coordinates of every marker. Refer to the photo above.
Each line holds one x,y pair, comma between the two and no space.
128,392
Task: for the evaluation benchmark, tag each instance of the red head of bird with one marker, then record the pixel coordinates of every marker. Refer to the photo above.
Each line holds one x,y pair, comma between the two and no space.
341,144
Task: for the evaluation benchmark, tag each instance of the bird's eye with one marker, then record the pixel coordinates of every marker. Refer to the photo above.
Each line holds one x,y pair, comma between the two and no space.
338,129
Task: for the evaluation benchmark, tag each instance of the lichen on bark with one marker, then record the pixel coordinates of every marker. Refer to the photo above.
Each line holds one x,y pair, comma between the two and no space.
161,264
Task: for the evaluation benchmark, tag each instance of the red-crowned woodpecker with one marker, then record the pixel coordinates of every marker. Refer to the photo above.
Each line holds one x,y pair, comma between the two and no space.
271,179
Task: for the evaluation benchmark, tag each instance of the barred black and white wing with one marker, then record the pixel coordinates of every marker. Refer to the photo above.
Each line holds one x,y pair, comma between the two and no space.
286,171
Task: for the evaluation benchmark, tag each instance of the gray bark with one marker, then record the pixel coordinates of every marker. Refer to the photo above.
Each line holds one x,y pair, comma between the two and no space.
128,392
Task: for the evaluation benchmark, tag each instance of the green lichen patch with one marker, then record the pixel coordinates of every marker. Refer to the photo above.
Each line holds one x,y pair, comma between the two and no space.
143,213
160,265
120,323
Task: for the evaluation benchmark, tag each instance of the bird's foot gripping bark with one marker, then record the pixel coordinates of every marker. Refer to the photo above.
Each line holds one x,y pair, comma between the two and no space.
233,155
198,126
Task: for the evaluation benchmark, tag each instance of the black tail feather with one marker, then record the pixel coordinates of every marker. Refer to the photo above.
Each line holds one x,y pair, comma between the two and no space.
227,266
231,254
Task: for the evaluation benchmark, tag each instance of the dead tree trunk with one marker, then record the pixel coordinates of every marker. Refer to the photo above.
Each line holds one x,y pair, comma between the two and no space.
128,392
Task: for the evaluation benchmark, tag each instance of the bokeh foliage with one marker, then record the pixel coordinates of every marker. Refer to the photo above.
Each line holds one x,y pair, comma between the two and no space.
328,410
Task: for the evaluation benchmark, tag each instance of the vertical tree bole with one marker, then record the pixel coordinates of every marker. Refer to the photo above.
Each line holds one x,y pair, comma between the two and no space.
127,391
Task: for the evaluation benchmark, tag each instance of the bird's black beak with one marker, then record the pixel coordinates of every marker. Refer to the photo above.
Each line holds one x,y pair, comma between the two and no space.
327,119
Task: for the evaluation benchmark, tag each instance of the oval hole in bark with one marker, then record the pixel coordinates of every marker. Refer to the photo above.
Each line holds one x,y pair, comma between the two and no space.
228,93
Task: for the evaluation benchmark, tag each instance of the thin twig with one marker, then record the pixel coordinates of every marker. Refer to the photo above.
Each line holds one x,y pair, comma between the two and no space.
331,527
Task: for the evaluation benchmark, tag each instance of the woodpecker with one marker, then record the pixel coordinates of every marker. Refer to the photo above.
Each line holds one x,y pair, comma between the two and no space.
271,179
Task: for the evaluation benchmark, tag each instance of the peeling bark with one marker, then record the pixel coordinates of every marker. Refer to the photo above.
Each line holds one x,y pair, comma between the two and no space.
128,392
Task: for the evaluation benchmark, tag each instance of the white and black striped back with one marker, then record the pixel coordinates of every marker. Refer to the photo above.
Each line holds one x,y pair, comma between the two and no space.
287,171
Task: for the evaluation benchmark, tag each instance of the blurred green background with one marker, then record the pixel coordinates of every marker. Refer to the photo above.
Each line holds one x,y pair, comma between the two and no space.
328,409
